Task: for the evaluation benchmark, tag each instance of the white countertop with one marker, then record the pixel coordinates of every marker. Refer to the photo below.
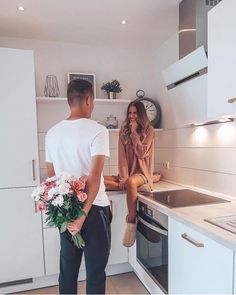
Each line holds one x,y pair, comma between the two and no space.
194,216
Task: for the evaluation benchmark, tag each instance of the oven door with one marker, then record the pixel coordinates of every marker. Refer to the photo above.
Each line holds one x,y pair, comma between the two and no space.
152,250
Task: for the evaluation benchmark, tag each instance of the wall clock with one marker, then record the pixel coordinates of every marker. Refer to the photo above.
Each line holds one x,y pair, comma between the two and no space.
152,107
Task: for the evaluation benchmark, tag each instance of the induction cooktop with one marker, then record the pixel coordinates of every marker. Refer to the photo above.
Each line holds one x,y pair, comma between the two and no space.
183,198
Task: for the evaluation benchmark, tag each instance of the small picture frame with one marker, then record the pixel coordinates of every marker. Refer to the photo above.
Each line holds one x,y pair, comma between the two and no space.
84,76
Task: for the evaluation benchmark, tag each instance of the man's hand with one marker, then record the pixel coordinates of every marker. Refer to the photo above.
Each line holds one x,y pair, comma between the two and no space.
76,226
133,126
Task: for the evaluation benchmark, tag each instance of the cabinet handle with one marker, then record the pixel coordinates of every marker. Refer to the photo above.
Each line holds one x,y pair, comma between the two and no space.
112,207
35,207
192,241
33,170
232,100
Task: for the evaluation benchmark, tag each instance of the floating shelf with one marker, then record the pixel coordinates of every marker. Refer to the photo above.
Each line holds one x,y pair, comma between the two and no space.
49,100
118,129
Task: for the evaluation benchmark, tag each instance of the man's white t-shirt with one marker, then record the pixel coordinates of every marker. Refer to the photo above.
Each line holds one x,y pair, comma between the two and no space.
70,146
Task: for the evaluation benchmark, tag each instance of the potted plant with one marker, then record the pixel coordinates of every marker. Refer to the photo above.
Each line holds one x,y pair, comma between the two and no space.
112,88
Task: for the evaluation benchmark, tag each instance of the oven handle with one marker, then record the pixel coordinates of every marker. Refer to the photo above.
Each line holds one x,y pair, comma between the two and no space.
154,228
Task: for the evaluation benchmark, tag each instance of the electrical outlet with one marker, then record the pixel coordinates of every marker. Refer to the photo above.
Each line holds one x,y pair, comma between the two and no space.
166,165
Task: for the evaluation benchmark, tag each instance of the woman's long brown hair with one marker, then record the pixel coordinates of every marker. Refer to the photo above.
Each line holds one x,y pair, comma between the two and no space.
142,120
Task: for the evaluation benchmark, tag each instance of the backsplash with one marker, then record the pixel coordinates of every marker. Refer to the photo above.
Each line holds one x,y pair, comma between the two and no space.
204,156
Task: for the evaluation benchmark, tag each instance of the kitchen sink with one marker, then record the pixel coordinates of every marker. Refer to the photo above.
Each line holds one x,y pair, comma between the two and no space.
226,222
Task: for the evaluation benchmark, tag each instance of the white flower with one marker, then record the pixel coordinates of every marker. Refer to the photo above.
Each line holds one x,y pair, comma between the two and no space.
50,179
37,193
52,193
65,176
64,188
58,201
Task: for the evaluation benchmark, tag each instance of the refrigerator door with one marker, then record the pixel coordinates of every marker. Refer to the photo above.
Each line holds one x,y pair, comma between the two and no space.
21,247
18,127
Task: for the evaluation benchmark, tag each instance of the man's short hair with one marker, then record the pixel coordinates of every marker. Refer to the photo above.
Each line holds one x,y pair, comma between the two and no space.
78,90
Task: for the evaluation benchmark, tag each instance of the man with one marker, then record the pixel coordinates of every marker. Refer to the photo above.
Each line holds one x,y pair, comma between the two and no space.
79,145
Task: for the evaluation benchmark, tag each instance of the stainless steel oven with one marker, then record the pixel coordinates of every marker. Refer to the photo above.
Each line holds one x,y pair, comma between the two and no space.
152,244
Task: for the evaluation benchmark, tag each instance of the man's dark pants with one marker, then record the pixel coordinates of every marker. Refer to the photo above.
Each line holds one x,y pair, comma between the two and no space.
96,233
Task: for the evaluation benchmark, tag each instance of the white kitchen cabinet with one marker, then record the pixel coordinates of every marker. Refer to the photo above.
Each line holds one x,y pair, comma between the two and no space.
52,251
18,128
222,59
21,246
197,264
119,253
234,284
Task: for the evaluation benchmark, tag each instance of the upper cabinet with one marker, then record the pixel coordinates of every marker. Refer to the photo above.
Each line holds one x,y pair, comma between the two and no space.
222,60
18,128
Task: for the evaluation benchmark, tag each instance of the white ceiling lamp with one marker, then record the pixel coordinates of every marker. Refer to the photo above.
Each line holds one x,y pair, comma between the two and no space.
21,8
124,22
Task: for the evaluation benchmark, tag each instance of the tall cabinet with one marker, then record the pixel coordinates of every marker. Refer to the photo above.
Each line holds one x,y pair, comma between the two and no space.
21,251
222,60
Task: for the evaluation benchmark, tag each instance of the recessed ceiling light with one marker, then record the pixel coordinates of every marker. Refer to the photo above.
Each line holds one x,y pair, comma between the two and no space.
124,22
21,8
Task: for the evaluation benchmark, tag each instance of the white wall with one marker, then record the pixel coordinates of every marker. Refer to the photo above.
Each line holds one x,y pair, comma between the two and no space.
204,156
133,68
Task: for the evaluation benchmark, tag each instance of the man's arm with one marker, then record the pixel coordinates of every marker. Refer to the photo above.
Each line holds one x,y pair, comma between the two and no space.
92,188
50,169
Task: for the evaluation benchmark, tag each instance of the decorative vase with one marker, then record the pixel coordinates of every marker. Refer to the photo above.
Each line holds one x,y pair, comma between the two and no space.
111,122
111,95
51,88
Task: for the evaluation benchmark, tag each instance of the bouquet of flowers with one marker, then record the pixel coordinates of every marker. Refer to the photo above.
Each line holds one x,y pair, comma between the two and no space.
63,198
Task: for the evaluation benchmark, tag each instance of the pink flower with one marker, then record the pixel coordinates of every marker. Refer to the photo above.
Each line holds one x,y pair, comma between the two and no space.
47,187
41,206
78,184
82,196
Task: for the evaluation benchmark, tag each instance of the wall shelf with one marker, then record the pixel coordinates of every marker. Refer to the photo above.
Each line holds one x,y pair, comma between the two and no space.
118,129
98,101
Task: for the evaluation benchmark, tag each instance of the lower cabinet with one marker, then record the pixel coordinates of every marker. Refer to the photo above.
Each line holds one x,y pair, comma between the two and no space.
119,254
21,250
52,251
197,264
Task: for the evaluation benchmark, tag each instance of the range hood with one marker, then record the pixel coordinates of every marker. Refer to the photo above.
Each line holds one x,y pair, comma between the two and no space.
193,24
187,86
186,82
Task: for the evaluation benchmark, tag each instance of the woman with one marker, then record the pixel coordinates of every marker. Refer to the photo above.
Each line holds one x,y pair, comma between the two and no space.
135,163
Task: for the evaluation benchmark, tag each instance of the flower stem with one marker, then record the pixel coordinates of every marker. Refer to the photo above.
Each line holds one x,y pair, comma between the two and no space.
78,240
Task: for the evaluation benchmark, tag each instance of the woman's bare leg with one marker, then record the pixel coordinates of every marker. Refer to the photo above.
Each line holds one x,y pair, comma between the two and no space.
132,185
111,183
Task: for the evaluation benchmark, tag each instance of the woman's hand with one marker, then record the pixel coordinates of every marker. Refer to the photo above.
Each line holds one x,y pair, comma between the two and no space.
133,126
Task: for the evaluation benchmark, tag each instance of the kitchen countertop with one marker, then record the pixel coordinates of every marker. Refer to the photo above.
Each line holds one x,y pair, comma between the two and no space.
194,216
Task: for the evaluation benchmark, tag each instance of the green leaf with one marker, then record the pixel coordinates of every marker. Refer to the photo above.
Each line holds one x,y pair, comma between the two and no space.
78,240
63,227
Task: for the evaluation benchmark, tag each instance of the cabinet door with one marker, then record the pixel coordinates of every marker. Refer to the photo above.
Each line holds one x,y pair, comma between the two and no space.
21,246
52,251
222,59
18,128
197,264
119,254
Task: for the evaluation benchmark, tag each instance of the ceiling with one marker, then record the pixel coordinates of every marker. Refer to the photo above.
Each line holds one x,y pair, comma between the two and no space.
93,22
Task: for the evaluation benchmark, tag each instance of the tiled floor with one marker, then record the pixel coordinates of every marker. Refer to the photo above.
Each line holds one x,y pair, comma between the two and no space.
119,284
